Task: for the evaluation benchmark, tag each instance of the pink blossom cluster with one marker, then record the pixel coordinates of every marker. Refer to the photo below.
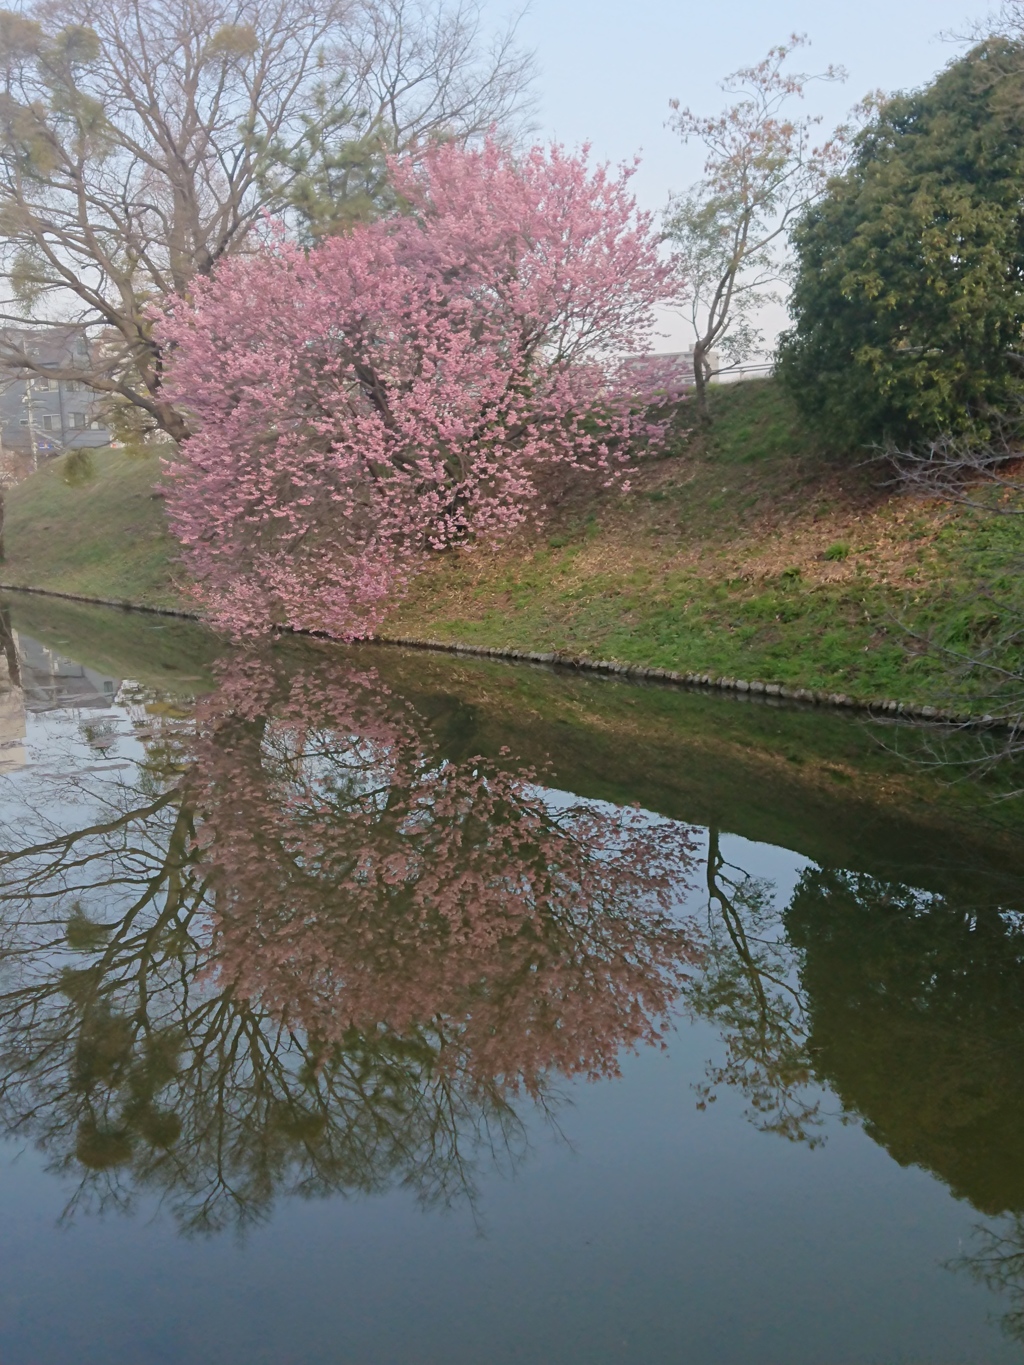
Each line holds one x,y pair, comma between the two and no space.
400,390
361,881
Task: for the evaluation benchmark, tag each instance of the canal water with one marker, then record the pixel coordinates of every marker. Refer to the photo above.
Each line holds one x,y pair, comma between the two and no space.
371,1007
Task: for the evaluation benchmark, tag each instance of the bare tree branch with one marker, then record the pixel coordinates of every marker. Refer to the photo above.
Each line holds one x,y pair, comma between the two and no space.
141,141
762,170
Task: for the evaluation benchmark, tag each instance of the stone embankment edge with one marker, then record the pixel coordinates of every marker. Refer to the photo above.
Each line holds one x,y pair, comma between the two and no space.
703,681
581,663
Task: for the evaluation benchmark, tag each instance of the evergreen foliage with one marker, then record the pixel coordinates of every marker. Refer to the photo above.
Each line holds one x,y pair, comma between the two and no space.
908,304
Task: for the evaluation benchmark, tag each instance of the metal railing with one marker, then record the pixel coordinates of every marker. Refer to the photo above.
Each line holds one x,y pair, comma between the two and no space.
733,374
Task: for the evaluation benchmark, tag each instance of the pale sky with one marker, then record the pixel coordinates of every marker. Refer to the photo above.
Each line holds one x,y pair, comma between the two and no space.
609,67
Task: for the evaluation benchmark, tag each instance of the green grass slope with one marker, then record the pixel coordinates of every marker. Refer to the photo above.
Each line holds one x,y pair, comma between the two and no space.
93,527
752,554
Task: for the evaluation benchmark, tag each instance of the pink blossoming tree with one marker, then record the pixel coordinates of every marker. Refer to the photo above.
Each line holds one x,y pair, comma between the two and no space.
402,389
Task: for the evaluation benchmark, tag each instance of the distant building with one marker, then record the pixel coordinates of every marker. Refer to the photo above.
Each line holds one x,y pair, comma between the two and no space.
675,366
681,363
48,679
44,416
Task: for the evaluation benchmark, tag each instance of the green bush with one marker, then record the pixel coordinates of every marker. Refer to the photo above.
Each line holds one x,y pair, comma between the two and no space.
908,304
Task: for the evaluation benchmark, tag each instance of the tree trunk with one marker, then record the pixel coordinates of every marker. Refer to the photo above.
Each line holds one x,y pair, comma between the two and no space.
700,384
9,648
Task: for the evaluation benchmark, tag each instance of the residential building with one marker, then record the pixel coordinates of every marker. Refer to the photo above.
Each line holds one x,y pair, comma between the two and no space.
39,415
48,679
681,363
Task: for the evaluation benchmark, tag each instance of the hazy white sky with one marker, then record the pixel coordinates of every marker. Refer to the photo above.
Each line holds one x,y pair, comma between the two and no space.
609,67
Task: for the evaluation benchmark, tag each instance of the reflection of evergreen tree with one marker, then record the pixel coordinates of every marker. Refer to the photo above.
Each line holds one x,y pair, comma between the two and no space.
916,1009
909,1006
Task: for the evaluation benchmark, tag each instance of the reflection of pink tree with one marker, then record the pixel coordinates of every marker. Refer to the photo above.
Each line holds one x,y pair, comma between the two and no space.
400,388
301,952
361,883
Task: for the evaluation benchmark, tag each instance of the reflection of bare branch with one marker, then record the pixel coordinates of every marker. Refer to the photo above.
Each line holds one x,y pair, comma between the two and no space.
998,1264
747,990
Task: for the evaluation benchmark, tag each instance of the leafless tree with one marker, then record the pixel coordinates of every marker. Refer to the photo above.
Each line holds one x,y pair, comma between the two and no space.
143,140
411,72
763,168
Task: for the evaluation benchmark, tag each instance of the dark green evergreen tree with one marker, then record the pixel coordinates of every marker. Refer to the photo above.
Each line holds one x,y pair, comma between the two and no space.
908,305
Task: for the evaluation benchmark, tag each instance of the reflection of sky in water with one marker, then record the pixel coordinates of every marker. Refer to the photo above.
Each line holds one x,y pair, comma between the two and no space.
660,1234
636,1229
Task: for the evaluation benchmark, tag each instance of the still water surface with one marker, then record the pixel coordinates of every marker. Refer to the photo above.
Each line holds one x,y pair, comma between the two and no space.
366,1007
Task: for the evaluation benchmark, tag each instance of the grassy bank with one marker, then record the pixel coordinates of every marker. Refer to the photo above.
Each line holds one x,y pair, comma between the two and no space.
759,556
755,555
96,528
